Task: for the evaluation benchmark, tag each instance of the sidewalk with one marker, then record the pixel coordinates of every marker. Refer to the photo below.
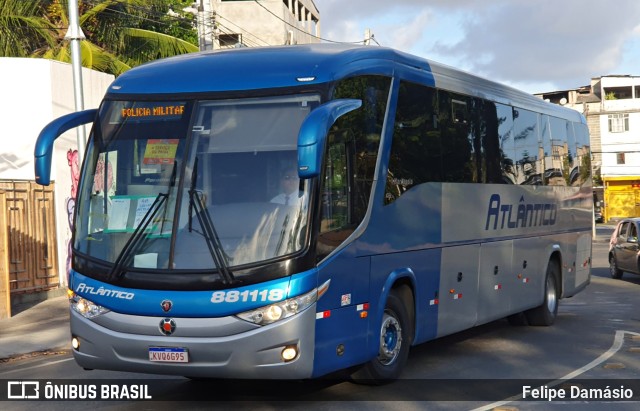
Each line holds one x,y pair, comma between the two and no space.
43,326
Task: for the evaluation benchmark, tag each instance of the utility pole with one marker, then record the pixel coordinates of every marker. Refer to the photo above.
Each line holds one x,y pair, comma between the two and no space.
367,37
75,35
202,42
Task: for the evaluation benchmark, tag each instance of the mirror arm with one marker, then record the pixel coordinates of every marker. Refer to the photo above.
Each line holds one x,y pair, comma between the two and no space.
313,134
44,144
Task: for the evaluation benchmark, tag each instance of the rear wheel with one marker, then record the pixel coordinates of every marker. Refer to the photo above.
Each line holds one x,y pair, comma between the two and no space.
394,341
613,268
545,313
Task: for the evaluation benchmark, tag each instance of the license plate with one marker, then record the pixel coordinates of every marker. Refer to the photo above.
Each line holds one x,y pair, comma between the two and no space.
168,354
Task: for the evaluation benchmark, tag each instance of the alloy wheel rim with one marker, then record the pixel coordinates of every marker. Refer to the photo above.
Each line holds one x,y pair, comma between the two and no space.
390,339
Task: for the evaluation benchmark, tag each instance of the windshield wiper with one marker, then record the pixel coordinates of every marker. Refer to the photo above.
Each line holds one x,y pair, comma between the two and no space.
211,236
136,236
220,258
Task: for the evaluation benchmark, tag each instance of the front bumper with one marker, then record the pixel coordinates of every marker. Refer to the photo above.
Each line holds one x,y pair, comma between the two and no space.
217,348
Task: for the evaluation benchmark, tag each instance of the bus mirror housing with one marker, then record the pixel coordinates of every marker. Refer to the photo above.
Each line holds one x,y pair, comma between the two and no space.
313,134
44,144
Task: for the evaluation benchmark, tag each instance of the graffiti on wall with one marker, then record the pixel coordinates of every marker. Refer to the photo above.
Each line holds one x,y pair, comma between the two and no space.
100,185
74,165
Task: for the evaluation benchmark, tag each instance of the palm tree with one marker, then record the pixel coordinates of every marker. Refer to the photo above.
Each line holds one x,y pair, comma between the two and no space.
119,34
23,28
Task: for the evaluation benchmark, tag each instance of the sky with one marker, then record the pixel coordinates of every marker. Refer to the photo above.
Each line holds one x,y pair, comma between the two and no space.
534,45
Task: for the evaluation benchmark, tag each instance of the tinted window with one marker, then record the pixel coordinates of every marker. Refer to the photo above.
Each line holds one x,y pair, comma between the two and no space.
528,151
416,152
558,160
583,154
459,160
507,147
352,150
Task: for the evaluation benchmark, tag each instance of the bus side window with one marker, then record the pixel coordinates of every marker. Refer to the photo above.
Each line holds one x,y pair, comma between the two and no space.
558,162
416,150
507,150
583,153
459,155
529,152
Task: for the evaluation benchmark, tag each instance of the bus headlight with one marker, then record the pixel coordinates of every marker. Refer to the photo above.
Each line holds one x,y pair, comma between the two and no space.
86,308
280,310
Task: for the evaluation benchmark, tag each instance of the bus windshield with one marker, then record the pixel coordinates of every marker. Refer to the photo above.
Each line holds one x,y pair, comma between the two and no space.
193,185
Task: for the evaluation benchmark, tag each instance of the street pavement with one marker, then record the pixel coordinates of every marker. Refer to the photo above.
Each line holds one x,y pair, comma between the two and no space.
44,327
40,327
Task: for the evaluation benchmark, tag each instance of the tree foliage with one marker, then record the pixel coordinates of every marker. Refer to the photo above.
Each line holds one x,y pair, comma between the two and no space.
119,34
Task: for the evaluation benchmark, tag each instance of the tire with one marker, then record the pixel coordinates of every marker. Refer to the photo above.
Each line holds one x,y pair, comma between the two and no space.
615,272
396,331
545,314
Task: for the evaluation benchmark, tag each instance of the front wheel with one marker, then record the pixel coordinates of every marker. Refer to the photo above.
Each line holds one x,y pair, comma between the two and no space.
545,313
615,272
394,341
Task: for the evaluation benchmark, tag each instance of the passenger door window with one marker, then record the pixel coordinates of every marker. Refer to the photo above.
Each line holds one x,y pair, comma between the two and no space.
350,160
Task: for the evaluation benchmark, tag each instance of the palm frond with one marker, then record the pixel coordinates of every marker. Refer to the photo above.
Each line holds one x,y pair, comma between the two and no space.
144,45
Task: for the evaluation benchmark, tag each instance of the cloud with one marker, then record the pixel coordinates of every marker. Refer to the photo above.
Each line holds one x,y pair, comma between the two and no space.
547,39
408,34
560,43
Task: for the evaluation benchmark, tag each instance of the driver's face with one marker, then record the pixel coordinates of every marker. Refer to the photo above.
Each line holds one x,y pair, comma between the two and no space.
289,179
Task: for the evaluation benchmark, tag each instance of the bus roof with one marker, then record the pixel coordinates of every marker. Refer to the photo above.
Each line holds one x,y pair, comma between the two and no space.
257,68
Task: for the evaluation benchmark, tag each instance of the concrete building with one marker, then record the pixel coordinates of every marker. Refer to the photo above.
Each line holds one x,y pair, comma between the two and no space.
36,233
237,23
611,105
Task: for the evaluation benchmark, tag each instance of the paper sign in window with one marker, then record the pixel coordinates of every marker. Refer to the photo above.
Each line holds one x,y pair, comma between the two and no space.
160,151
119,213
144,204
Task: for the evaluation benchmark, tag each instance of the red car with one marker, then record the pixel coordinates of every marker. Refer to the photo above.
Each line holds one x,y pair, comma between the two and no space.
624,251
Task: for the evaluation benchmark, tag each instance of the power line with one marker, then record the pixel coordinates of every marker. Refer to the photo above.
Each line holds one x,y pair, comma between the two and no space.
242,29
299,29
147,11
209,24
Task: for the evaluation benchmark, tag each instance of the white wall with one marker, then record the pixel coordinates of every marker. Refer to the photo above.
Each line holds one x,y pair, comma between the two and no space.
627,142
33,92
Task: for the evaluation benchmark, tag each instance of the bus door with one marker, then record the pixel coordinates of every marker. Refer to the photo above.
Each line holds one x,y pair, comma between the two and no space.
342,312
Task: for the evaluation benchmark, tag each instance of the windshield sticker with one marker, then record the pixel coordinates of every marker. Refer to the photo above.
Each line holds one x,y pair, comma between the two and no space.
161,151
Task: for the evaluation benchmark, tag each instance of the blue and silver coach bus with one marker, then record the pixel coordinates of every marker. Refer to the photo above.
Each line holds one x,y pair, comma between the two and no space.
288,212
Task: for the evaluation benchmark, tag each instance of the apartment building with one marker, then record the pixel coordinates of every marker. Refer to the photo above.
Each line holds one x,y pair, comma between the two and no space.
611,105
247,23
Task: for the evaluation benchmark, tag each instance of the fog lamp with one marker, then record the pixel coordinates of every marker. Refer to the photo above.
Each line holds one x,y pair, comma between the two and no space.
75,343
289,353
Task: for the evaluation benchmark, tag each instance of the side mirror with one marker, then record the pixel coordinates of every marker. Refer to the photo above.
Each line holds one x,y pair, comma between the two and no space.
44,144
313,134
